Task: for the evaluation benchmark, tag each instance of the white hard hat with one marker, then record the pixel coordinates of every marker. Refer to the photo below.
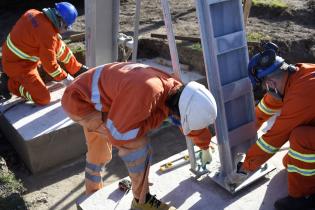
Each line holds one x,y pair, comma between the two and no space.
197,107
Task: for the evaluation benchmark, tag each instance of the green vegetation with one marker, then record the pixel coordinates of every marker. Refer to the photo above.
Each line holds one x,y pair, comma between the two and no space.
256,37
10,183
276,4
10,189
196,46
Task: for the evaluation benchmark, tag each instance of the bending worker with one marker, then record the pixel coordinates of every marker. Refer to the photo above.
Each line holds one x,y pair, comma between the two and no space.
118,103
35,40
290,89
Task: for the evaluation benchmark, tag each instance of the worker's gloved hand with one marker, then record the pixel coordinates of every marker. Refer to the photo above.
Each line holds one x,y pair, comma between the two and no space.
205,157
239,175
67,81
81,70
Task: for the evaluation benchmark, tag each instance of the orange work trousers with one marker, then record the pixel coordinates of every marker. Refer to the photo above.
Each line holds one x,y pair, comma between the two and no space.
29,86
135,154
300,162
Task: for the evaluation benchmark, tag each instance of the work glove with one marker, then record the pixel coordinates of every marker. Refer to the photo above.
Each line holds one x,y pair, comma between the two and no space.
239,175
67,81
205,157
81,70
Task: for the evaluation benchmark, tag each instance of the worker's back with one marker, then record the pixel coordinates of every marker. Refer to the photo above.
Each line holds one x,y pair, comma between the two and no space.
299,94
297,110
132,94
29,33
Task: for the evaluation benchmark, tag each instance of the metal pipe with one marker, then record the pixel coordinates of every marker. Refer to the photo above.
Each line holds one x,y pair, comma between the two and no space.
136,31
176,68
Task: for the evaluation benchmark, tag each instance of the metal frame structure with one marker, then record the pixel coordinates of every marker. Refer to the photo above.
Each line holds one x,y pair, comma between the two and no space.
225,53
176,68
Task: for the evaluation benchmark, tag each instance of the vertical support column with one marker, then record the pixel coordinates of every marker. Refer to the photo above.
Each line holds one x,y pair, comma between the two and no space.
102,25
176,68
136,31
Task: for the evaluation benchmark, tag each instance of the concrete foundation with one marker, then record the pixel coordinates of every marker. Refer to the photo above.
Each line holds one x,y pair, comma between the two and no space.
42,135
183,191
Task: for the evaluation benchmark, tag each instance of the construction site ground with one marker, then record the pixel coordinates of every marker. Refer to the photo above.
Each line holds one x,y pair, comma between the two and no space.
293,29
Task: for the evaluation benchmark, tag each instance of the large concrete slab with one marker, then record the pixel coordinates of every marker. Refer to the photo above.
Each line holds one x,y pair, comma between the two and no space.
42,135
184,191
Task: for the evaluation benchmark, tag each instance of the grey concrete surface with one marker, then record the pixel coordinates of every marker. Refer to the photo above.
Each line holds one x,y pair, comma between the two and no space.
42,135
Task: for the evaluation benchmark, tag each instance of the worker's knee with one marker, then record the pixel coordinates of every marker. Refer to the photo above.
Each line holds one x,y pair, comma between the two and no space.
297,134
43,99
137,160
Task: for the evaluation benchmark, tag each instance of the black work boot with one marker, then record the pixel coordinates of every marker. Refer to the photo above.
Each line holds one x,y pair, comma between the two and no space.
4,90
291,203
81,70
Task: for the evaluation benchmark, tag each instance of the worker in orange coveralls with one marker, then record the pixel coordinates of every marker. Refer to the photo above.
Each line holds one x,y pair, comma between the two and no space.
35,40
291,90
118,103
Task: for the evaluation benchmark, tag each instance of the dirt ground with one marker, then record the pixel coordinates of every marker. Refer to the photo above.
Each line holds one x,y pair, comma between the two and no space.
292,29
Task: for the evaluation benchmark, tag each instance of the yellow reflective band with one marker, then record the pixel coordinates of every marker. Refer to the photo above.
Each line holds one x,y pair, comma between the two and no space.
56,73
67,59
21,89
18,52
28,96
61,50
301,171
265,146
262,106
308,158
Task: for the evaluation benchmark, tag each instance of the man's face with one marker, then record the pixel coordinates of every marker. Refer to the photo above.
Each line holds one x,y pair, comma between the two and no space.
63,26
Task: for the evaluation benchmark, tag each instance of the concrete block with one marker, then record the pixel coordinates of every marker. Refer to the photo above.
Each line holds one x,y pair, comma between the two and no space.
183,191
43,136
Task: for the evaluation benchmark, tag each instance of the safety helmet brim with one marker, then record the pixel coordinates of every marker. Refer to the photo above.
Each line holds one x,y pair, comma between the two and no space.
67,12
197,107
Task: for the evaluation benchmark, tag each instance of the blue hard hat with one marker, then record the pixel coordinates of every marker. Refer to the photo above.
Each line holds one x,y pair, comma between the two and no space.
263,64
67,12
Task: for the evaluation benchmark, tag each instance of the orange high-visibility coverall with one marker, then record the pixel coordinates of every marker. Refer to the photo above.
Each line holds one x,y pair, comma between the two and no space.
34,40
295,124
132,99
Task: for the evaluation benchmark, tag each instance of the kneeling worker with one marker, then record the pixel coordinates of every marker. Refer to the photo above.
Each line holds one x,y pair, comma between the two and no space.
35,40
118,103
290,89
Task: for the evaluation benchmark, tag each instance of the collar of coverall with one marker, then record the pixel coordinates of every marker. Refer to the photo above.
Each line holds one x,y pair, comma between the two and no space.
51,15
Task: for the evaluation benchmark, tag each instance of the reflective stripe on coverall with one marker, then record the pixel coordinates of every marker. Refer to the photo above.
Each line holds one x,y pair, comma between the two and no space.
296,123
132,96
267,107
33,41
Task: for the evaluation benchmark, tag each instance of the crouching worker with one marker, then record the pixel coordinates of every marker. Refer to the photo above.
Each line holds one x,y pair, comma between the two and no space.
118,103
290,88
35,40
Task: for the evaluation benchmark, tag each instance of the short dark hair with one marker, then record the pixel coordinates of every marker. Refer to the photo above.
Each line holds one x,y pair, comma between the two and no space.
173,100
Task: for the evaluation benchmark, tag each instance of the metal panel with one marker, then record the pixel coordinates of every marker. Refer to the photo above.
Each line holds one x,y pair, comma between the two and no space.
242,133
236,89
215,1
230,42
226,57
